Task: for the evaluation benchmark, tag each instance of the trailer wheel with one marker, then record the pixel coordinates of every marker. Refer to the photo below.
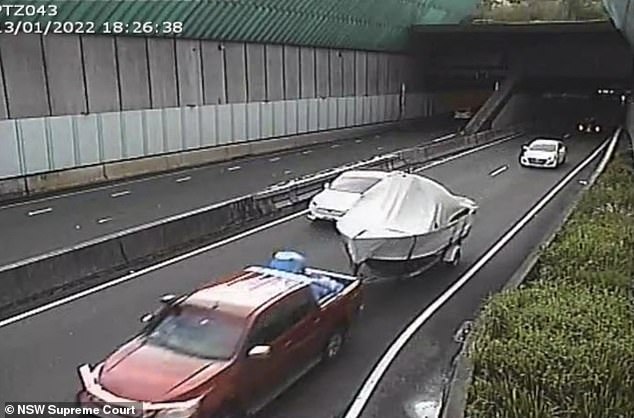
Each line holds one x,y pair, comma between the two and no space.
455,260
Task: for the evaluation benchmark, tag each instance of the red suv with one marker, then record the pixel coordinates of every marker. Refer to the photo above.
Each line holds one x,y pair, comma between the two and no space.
229,348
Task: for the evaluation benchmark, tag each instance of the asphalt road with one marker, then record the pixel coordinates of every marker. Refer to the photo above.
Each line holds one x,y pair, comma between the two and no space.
40,354
412,386
36,227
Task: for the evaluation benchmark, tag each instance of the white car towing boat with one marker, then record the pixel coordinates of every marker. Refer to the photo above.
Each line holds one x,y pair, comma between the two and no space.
339,196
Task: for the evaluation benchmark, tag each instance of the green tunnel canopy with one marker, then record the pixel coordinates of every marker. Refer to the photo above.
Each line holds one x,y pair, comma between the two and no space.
358,24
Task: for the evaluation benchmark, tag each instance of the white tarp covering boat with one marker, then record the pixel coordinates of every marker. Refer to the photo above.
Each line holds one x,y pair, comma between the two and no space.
405,217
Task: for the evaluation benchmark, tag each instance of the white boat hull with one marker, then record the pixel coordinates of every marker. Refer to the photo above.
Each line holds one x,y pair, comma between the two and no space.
409,254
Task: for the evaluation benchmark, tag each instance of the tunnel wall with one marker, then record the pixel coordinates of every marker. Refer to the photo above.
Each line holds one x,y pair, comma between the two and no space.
520,108
75,101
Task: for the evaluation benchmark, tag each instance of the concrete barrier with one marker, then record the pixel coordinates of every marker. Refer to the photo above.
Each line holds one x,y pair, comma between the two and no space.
123,169
51,272
28,279
57,180
13,188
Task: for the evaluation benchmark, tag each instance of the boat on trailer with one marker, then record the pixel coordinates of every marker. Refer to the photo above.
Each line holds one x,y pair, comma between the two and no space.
404,225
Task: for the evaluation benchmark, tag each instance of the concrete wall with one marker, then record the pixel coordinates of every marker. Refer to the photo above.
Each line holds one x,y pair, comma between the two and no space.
73,101
561,59
629,122
629,110
520,108
54,153
39,145
62,75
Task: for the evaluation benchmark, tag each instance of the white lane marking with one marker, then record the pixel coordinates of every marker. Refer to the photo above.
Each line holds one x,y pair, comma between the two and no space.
40,211
499,171
274,159
104,220
465,153
234,168
149,269
94,189
183,179
379,370
443,138
335,146
121,193
307,152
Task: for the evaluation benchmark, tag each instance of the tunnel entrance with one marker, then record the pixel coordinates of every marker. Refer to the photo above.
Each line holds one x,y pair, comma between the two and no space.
549,75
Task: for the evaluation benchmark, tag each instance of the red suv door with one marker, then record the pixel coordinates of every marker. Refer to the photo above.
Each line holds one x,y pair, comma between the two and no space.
263,378
307,334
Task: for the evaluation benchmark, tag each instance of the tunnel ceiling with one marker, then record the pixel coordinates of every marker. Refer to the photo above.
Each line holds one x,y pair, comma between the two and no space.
590,50
357,24
494,36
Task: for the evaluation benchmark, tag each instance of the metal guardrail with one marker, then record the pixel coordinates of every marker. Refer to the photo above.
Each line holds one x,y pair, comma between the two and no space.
295,191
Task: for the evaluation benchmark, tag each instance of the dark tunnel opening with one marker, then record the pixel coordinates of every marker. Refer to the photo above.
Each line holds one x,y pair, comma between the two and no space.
550,76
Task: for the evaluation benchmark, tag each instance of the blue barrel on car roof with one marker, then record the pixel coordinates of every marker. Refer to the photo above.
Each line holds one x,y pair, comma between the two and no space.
290,261
295,263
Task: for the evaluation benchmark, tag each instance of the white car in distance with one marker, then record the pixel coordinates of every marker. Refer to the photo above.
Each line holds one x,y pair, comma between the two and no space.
463,114
340,195
541,152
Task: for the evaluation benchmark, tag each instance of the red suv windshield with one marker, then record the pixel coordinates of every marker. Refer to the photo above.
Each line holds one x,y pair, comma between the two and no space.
201,333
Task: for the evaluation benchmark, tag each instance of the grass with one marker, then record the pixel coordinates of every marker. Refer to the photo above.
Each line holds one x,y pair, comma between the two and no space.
563,344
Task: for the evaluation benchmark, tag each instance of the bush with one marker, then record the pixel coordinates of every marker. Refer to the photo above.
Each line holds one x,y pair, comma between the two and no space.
542,10
563,345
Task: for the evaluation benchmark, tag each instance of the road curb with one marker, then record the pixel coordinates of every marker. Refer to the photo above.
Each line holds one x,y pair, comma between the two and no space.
456,391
